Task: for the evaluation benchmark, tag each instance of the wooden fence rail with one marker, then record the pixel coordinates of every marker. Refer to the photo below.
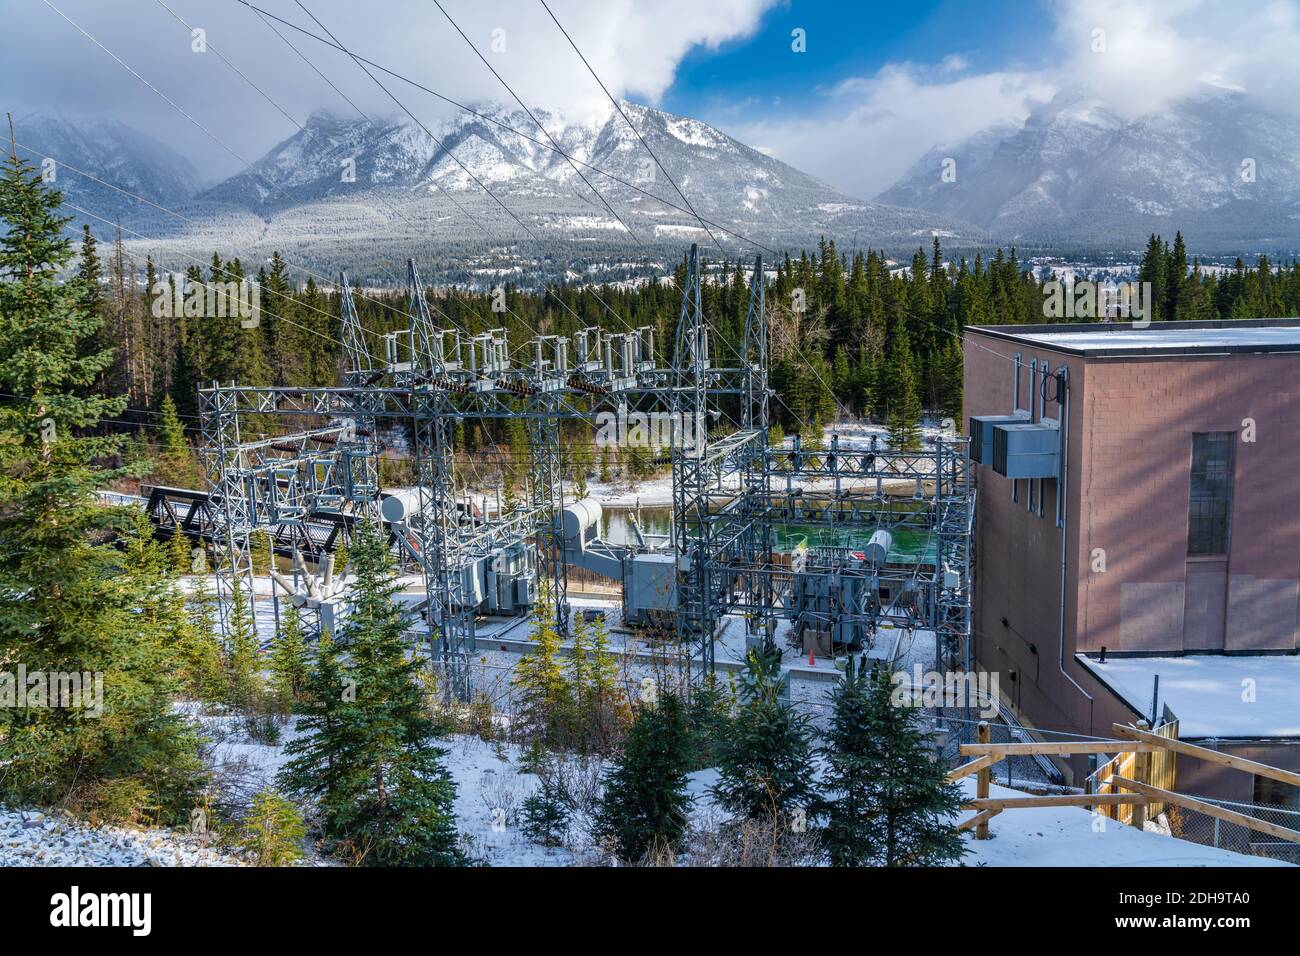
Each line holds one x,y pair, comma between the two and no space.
1133,786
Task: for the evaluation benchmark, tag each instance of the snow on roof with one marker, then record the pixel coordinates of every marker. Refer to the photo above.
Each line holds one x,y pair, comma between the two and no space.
1066,836
1160,338
1214,695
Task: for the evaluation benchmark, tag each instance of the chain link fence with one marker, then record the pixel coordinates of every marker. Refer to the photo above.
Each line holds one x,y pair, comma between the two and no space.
1198,827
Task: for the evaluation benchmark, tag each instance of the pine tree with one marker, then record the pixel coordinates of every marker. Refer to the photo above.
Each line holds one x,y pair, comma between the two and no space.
178,548
273,831
368,754
765,761
70,602
176,465
643,810
203,671
289,661
546,696
579,667
609,703
892,804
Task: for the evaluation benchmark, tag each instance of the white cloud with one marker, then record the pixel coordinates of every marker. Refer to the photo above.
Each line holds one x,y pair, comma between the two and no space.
870,129
883,123
634,46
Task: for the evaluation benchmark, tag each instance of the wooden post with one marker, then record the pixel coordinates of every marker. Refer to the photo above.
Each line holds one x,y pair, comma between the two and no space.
1142,774
982,784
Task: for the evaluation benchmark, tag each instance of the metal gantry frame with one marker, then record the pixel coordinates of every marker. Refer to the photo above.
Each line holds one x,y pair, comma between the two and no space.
730,489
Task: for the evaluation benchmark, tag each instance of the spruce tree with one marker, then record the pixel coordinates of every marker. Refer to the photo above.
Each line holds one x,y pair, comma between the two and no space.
709,713
848,835
71,602
765,761
546,694
902,396
203,672
892,802
545,816
289,661
176,464
243,674
643,812
368,753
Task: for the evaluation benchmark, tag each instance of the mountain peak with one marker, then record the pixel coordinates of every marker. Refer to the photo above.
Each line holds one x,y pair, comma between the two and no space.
87,148
1077,172
370,193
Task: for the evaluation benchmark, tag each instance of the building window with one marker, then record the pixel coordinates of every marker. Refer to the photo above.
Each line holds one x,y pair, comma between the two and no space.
1211,499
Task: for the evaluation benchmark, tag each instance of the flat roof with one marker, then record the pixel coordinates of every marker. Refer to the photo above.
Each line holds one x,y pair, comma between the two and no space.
1121,339
1206,691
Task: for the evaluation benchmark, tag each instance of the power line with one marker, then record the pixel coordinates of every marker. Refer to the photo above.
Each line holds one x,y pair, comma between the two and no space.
359,61
264,14
368,119
266,96
533,117
427,131
618,106
556,147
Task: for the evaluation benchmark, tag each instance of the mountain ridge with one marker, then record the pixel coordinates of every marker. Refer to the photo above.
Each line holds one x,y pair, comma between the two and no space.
1076,172
371,193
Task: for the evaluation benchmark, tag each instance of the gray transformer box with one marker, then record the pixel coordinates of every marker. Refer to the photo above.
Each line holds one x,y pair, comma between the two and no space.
816,598
649,589
511,579
1027,450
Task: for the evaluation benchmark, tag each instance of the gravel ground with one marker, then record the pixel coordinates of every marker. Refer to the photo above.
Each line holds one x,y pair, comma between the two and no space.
32,838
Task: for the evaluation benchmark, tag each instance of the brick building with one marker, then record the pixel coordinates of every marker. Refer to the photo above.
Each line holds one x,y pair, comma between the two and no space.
1156,520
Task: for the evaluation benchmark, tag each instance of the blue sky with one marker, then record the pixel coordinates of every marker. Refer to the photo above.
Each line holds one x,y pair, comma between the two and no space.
879,85
746,79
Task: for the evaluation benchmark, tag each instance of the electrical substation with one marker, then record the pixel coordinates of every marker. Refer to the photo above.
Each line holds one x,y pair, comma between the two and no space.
733,493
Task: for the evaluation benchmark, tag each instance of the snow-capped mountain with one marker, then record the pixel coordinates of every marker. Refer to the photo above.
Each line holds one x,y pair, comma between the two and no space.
115,155
1223,170
368,194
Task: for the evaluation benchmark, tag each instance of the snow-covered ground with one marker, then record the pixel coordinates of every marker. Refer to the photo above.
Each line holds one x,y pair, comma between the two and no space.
32,838
1072,836
491,787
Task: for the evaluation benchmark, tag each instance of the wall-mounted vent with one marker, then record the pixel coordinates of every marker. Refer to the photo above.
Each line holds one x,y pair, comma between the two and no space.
1025,450
981,435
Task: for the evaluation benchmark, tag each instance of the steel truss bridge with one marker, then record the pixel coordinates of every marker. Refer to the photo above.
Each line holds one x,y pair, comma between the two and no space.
730,489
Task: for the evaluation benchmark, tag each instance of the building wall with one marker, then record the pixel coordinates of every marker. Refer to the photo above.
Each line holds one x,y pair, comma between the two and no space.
1018,554
1139,418
1202,778
1128,488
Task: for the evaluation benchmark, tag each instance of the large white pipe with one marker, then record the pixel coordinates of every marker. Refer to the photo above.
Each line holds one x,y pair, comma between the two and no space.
400,505
580,516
